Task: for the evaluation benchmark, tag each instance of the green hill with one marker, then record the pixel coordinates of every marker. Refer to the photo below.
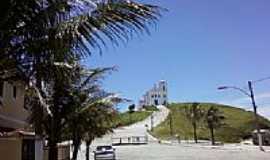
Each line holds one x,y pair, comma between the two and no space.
239,124
126,118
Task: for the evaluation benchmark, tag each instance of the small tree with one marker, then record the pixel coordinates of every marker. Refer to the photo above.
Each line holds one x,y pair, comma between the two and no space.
131,109
214,119
194,114
98,124
91,109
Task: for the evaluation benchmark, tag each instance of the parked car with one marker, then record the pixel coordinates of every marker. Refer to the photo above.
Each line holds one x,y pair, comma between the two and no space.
104,153
265,137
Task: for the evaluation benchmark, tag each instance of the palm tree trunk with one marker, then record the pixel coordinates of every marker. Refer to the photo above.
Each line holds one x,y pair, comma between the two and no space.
53,152
195,132
212,135
76,146
87,149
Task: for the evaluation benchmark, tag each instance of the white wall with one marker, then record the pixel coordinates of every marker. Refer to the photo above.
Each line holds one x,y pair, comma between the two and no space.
39,150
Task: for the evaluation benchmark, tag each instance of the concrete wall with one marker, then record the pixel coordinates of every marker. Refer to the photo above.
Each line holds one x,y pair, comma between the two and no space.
39,149
12,111
10,149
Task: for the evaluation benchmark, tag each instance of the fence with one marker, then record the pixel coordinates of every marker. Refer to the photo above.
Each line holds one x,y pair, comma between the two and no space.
132,140
63,152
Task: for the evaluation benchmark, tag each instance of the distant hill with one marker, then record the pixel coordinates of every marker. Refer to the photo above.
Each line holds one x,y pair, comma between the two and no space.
239,124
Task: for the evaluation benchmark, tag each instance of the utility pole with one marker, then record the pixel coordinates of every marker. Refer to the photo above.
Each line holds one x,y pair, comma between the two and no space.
171,125
255,115
152,122
250,94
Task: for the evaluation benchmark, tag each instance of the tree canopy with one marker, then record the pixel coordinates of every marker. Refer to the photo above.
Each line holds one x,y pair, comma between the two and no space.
42,45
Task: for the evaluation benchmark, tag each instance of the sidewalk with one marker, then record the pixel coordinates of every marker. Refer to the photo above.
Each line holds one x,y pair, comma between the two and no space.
207,145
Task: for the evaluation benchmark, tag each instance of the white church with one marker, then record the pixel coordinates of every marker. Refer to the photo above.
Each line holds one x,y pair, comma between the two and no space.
158,95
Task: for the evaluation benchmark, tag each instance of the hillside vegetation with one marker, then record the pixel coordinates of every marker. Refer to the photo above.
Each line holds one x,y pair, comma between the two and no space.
238,124
128,118
150,108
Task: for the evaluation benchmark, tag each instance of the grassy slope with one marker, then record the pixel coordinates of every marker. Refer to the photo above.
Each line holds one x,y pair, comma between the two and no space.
125,119
239,124
150,108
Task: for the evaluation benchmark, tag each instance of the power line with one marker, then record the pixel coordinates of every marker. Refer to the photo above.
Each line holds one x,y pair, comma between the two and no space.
260,80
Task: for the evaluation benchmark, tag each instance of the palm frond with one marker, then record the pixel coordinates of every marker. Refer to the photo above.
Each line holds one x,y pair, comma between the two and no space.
112,21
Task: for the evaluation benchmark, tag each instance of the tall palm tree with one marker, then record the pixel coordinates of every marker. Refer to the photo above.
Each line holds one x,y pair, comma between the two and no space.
38,33
214,119
39,37
42,41
194,114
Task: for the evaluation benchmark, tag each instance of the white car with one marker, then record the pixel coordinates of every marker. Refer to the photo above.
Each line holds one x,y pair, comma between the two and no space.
104,153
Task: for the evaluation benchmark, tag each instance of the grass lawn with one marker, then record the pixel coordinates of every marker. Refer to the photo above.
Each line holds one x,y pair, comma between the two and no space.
238,124
150,108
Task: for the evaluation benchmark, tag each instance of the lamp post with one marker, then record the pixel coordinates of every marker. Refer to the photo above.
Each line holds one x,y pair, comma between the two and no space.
171,125
250,94
152,122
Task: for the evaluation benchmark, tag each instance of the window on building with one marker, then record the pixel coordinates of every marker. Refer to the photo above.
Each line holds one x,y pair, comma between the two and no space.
1,88
152,96
164,96
158,96
164,88
14,92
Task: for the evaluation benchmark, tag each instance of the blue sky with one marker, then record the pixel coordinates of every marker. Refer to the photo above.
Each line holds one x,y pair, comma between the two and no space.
197,46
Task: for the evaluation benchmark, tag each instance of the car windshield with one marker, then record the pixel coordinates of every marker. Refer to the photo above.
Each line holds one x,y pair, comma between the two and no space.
104,148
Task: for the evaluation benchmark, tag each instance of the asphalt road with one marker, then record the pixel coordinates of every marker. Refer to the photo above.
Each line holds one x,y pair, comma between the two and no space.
180,152
137,129
174,151
155,151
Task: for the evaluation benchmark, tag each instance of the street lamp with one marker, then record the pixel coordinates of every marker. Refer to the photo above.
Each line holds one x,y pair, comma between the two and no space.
250,94
152,122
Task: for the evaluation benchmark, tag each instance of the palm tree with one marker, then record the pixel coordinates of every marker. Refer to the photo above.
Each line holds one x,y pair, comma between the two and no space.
194,114
42,41
91,121
79,107
90,110
39,36
39,31
99,125
214,119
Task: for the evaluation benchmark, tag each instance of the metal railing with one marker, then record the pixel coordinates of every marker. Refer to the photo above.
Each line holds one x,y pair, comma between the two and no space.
131,140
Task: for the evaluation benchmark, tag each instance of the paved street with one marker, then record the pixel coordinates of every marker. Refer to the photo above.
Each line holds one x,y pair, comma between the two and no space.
155,151
183,151
137,129
180,152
